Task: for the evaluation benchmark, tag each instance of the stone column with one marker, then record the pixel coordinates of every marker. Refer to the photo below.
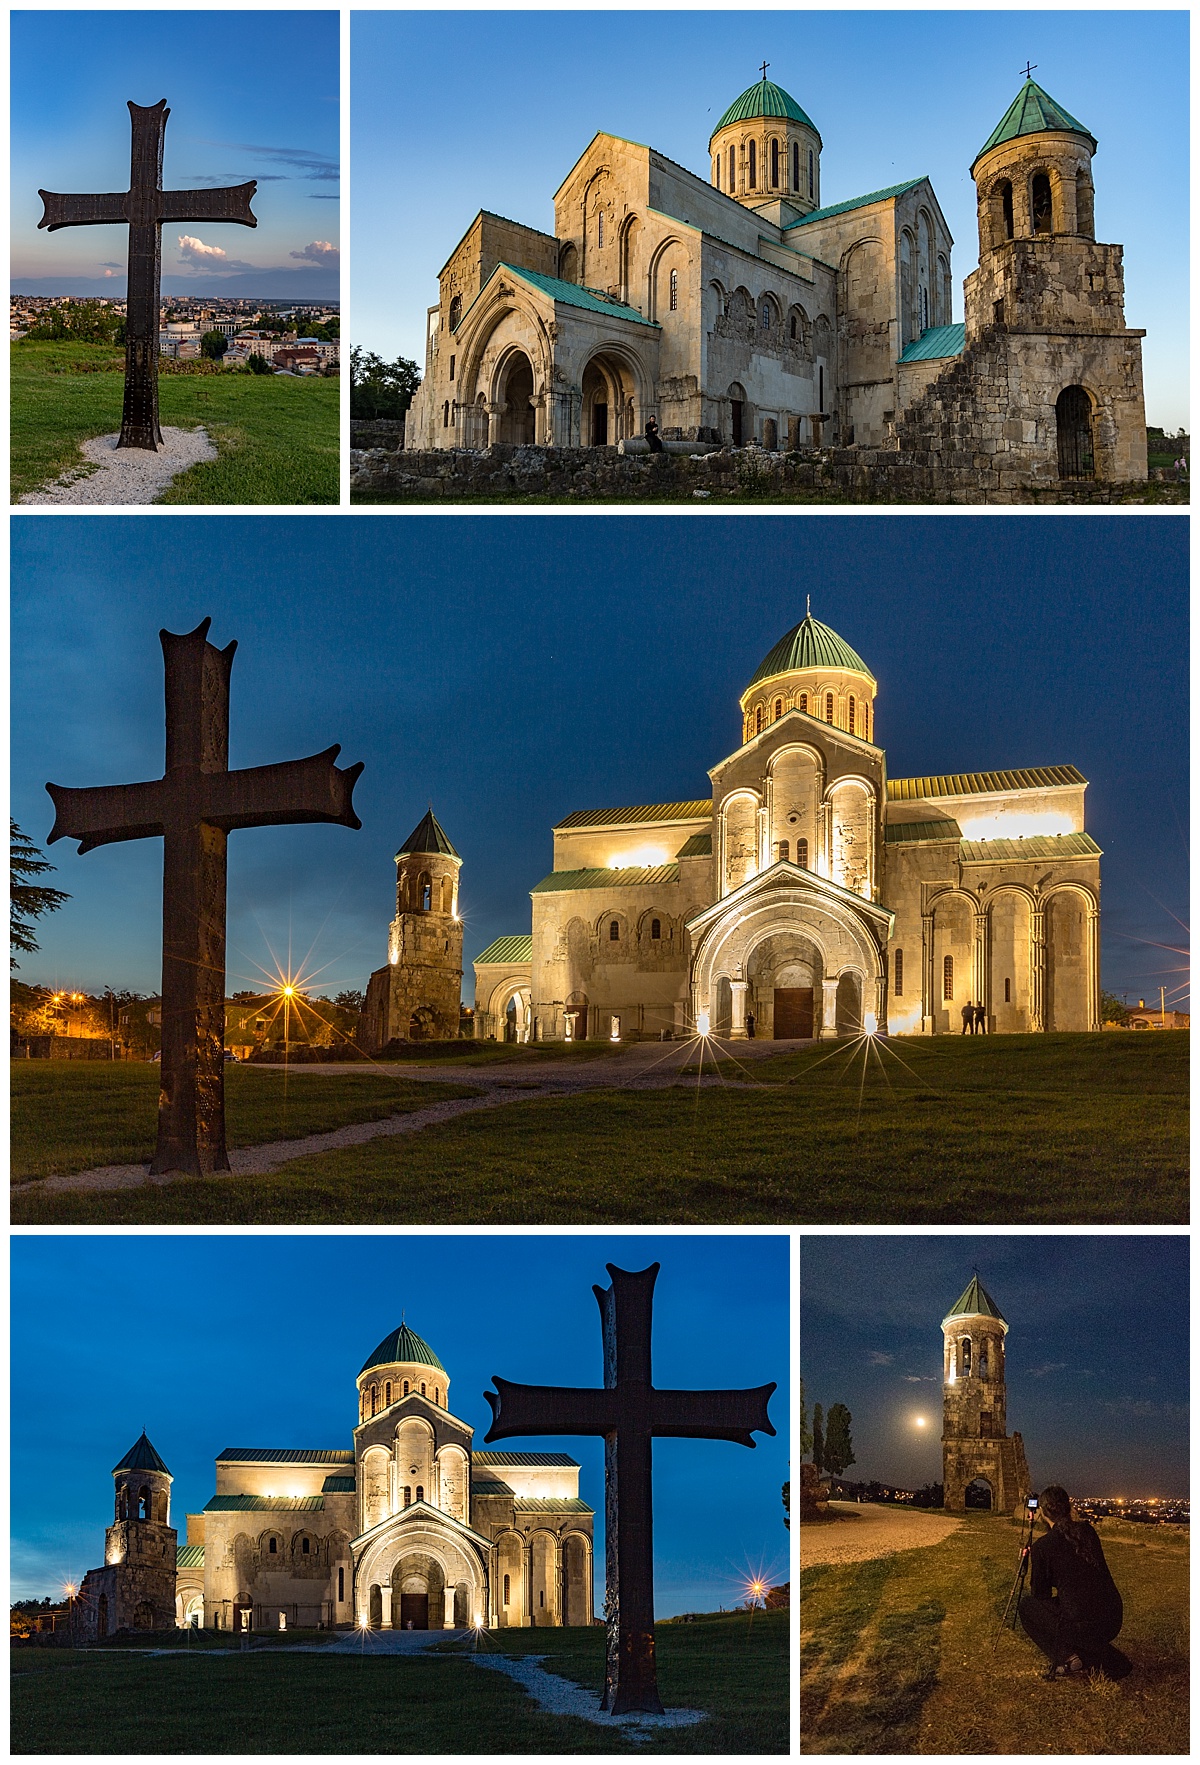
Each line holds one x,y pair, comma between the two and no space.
979,963
385,1605
829,1008
1037,968
448,1607
1093,949
738,1025
527,1614
928,977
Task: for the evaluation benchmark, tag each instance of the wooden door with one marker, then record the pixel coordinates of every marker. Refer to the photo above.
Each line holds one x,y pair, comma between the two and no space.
793,1013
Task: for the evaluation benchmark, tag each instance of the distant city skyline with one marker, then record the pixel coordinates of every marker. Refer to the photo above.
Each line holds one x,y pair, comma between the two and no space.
668,77
221,1320
1099,1398
511,672
71,75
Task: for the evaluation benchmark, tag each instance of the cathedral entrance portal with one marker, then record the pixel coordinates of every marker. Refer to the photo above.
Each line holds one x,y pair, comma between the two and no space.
414,1611
518,425
1073,416
609,413
793,1013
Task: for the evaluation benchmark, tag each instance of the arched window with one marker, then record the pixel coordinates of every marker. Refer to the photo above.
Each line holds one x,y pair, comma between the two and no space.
753,181
802,703
964,1357
506,1594
947,977
898,965
774,164
795,165
656,928
426,895
766,315
387,1395
983,1358
600,227
374,1400
811,173
802,854
406,1388
408,1495
829,707
1085,220
436,1397
305,1547
1008,991
867,721
732,170
143,1504
446,414
1073,417
781,852
1006,208
778,709
273,1547
422,1387
420,1492
1043,208
717,171
923,306
851,725
758,720
614,930
455,312
674,291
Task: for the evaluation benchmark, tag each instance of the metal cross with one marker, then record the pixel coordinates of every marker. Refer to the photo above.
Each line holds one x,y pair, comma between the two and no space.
765,66
144,207
1029,67
193,807
629,1413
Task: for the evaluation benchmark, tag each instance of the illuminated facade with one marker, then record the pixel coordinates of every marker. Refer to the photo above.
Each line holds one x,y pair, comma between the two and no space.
809,894
415,998
983,1466
410,1527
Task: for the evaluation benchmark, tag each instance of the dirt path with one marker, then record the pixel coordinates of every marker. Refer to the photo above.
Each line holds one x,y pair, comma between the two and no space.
643,1066
862,1532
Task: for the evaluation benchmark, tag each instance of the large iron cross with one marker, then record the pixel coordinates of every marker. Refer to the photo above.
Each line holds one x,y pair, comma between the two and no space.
193,807
144,207
629,1413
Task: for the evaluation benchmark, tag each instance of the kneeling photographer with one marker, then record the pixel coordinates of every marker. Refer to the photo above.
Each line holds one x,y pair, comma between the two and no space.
1073,1610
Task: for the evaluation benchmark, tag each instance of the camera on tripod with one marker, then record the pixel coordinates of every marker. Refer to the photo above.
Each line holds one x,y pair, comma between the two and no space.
1031,1503
1012,1608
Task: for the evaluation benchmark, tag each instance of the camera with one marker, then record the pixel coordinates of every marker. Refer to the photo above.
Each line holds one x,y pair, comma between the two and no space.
1031,1503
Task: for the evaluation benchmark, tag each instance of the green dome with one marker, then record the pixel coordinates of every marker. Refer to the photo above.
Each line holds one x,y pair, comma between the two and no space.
810,645
402,1345
975,1302
1033,112
764,99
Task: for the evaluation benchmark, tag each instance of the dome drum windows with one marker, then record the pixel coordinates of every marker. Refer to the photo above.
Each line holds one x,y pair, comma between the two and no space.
1041,203
752,179
774,163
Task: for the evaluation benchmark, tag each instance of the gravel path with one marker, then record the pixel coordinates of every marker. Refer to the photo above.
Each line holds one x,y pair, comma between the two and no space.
859,1533
562,1697
127,475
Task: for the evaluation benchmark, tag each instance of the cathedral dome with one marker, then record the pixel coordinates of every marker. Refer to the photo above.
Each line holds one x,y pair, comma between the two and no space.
402,1346
810,645
763,99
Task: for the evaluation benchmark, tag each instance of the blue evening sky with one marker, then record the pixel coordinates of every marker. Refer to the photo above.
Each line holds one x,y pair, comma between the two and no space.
507,101
1096,1352
511,671
251,94
217,1341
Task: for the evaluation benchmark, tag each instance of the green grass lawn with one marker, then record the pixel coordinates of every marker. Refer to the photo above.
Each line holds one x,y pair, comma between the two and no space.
72,1115
1012,1129
278,438
896,1653
107,1700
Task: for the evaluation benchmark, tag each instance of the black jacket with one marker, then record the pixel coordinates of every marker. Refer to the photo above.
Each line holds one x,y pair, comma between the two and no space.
1086,1591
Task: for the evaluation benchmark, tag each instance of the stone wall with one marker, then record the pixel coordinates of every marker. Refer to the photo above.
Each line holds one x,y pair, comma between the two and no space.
919,474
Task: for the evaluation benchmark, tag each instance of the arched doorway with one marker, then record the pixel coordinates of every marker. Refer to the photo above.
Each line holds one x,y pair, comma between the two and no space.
608,414
849,1005
737,414
1076,450
514,1019
722,1007
978,1494
576,1014
518,425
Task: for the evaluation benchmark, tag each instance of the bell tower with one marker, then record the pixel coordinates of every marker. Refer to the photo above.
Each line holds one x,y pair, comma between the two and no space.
417,997
135,1590
975,1439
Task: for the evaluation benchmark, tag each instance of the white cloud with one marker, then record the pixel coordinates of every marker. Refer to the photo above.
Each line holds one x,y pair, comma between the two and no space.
320,251
880,1360
196,251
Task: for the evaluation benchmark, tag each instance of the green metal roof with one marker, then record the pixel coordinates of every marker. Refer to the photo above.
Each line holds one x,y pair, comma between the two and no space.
517,948
592,300
285,1455
402,1345
1038,845
809,645
697,810
427,836
975,1301
698,846
263,1504
491,1486
972,784
764,98
913,833
935,343
1032,112
141,1457
524,1458
560,882
551,1504
338,1486
822,214
189,1556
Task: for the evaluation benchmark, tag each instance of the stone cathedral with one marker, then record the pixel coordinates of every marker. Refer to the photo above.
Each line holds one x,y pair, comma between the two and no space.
408,1527
749,310
983,1466
809,894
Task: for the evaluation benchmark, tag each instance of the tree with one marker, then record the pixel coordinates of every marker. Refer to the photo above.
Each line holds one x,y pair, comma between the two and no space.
326,331
350,1000
258,364
379,389
82,321
818,1437
213,345
786,1493
839,1449
805,1430
1112,1009
28,900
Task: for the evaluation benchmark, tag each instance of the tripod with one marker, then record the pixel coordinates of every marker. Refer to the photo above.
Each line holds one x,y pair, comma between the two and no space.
1011,1610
